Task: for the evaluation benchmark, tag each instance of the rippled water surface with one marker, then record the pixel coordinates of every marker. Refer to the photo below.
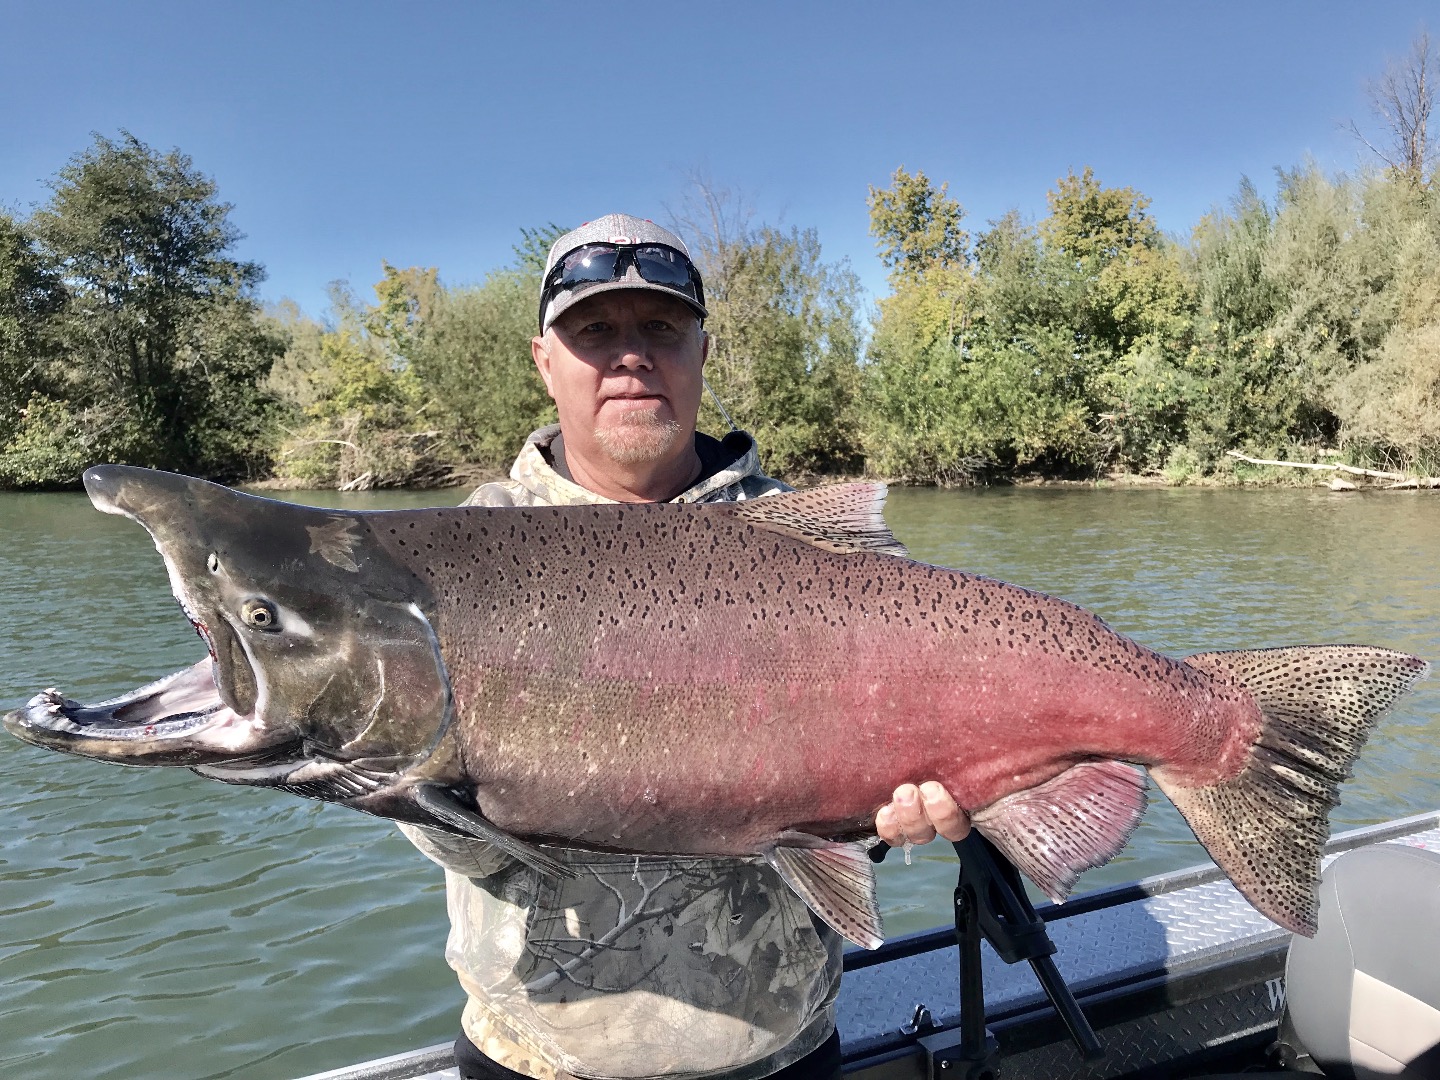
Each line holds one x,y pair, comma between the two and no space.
155,924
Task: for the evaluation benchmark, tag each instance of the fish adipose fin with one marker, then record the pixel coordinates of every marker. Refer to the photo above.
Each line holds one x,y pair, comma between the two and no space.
842,518
1080,819
441,805
1267,826
837,881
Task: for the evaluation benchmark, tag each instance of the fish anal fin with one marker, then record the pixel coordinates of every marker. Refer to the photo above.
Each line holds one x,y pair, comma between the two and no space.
840,517
1057,830
836,881
446,809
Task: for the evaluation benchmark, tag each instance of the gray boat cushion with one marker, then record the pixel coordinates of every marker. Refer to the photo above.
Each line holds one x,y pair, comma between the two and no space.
1364,993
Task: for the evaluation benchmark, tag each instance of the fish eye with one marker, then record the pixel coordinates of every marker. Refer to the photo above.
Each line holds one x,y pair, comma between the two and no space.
213,563
260,614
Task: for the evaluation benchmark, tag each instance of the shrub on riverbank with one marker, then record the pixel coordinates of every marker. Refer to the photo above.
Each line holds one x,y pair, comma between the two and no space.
427,378
1090,342
1085,344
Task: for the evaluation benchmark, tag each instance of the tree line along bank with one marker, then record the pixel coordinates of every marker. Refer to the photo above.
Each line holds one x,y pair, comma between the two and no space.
1082,345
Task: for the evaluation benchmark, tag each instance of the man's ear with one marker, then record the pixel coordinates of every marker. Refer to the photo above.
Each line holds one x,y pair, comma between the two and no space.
540,353
704,346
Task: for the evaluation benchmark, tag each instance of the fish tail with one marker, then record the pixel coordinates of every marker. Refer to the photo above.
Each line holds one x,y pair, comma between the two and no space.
1266,826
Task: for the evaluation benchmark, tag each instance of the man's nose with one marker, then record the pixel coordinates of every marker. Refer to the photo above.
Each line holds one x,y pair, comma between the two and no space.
634,351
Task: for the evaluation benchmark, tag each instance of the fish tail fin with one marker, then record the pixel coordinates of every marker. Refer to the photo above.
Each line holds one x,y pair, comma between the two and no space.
1266,826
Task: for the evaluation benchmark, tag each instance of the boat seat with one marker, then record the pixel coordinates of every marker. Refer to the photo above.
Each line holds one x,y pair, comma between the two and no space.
1363,994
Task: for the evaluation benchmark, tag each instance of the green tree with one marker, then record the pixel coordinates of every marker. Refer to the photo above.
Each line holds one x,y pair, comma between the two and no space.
31,297
293,380
915,420
784,335
163,349
917,423
785,348
917,226
1125,284
1388,404
1331,256
354,401
473,361
405,301
474,364
1244,395
1044,349
425,379
1314,319
533,250
1390,407
1122,291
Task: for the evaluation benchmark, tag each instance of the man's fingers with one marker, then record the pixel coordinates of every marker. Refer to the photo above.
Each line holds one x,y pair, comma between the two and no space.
917,814
887,828
944,815
911,822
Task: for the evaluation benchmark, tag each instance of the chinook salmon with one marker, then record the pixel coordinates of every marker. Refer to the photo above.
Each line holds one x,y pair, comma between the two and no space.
746,679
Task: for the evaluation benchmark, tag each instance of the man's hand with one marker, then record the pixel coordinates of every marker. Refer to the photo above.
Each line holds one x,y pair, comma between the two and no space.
917,814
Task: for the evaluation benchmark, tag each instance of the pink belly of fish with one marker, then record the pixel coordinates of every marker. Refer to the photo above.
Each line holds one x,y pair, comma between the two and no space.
663,749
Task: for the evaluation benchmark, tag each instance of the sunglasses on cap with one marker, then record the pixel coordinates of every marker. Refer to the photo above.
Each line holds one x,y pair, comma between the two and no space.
594,264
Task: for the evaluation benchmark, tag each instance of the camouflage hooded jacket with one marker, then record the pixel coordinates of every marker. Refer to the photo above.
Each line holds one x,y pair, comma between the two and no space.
637,967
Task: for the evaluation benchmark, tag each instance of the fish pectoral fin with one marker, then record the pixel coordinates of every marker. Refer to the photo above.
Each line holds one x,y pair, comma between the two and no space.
1078,820
841,517
309,777
443,807
836,881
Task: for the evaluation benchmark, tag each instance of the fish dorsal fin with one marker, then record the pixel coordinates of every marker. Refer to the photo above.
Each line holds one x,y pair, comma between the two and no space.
842,517
1080,819
836,881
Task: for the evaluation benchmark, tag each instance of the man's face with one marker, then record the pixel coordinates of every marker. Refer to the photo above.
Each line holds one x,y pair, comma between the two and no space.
624,370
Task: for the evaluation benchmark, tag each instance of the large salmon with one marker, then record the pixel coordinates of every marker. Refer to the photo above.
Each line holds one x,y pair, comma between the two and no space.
748,679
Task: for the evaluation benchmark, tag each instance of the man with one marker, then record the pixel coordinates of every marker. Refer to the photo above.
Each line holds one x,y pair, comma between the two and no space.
654,967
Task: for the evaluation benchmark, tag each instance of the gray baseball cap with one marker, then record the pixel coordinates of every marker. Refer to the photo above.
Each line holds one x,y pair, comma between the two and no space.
614,229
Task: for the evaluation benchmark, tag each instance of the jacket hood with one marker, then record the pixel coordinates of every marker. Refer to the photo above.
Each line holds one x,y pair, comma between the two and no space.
534,472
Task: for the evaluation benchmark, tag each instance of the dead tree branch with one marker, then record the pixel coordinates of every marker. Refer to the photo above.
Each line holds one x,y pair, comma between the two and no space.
1401,480
1402,99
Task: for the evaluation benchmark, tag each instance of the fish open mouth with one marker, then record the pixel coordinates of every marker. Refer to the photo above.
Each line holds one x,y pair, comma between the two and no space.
177,720
209,713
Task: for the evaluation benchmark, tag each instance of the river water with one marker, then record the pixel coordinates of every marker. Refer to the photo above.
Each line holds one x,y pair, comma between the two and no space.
156,924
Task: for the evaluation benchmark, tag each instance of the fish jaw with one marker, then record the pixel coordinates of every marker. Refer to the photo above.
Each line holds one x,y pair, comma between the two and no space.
164,504
177,720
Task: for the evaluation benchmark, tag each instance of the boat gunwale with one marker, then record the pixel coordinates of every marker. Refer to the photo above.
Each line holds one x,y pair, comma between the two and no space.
943,937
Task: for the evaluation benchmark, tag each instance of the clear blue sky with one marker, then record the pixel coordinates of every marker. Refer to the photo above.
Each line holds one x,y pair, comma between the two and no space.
428,134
